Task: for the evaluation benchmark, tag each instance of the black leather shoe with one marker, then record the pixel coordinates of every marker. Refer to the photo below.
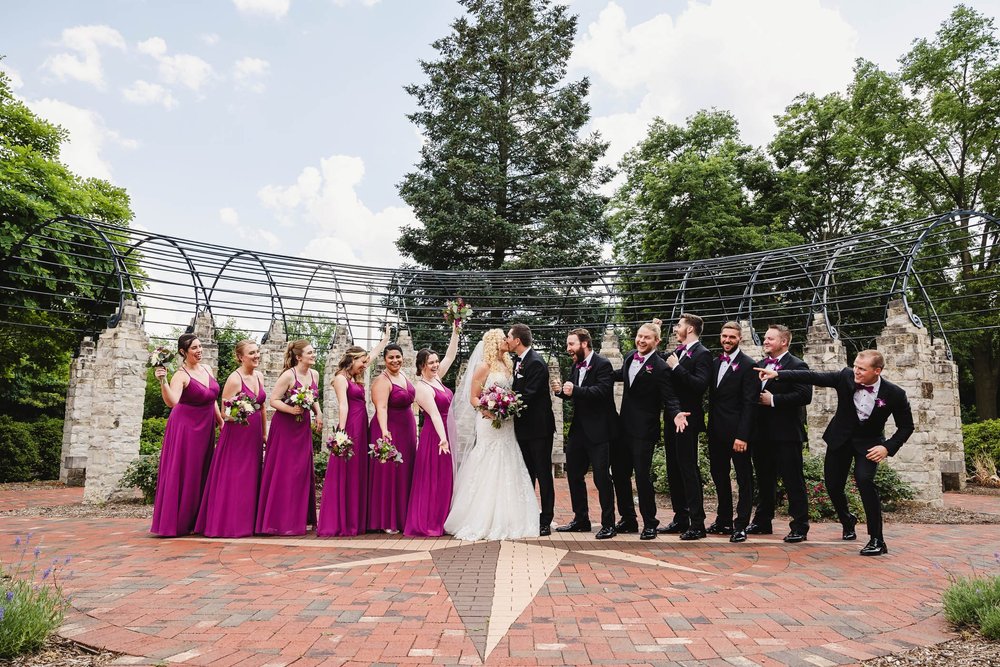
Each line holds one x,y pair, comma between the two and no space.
795,537
694,534
716,529
672,528
759,529
648,533
738,536
605,533
626,526
849,532
875,547
574,526
544,531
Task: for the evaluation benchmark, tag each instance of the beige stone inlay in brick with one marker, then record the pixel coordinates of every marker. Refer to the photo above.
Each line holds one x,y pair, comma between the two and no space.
398,558
641,560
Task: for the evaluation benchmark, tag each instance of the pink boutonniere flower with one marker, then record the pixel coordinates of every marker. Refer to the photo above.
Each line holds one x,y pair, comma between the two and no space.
687,353
879,402
648,368
735,367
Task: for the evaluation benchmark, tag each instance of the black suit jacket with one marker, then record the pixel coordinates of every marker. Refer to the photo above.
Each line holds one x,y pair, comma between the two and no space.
531,381
786,420
732,405
845,427
594,414
643,399
690,379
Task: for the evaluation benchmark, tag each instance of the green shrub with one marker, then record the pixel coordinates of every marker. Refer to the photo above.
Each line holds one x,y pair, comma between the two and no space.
891,487
32,603
968,600
981,439
47,433
658,472
151,438
19,459
989,623
142,473
321,461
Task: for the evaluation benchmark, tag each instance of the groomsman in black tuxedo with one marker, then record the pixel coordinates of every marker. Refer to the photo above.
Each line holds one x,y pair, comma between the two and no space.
594,426
732,406
857,434
536,424
690,367
647,389
776,447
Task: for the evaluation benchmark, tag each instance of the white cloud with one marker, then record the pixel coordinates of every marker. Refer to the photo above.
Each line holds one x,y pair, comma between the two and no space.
182,68
346,230
366,3
85,64
749,58
145,93
268,8
248,73
254,238
210,38
88,137
12,74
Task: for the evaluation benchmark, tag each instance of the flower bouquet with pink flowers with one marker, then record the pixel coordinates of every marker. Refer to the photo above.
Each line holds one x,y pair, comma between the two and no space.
240,408
383,451
340,444
500,404
457,312
161,356
301,397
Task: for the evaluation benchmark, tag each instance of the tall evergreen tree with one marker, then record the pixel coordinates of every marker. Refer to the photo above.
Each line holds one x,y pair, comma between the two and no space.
505,178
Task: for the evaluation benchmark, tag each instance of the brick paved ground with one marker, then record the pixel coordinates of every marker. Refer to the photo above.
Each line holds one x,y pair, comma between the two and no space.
548,601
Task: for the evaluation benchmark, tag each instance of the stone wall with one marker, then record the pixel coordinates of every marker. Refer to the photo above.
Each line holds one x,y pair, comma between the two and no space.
612,351
331,410
272,358
78,424
558,454
203,326
822,352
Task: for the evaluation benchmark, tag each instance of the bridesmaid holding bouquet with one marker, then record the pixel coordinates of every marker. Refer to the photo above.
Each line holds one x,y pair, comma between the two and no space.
187,440
229,505
287,503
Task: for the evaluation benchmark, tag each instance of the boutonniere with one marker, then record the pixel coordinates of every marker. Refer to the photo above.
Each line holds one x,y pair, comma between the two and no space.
687,353
879,403
648,368
734,367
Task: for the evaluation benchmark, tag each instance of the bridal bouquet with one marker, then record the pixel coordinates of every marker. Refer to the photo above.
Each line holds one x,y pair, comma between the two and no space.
457,312
302,397
161,356
340,444
240,408
500,403
383,451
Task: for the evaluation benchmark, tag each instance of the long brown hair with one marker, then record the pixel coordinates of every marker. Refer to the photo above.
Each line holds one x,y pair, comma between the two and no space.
294,351
352,354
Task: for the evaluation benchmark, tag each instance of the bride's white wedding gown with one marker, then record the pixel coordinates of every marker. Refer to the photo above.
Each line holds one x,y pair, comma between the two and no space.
494,498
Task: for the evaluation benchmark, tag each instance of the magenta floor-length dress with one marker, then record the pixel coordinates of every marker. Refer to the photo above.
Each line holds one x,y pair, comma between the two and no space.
185,459
229,504
430,494
343,510
389,483
287,485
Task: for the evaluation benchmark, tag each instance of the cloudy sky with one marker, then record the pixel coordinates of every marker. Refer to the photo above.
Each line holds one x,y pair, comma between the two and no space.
280,125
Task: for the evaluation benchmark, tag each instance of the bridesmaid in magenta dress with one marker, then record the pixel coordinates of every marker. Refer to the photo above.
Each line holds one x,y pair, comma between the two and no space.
229,504
287,502
389,483
430,493
187,442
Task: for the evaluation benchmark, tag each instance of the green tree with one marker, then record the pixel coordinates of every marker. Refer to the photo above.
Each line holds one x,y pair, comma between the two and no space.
932,130
505,179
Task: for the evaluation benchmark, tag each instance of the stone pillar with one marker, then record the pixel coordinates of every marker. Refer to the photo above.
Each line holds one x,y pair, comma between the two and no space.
612,351
747,345
78,424
822,352
558,455
948,416
272,358
910,363
409,368
331,410
203,326
119,372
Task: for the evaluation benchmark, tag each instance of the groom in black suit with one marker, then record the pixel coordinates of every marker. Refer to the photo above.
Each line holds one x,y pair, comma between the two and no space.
594,425
536,424
857,434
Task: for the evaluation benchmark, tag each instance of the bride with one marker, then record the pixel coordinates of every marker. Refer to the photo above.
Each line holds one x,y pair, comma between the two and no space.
494,498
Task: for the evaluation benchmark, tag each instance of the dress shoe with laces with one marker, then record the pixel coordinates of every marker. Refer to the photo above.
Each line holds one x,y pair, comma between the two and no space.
875,547
648,533
738,536
574,526
849,532
627,526
795,537
544,531
605,533
717,529
694,534
759,529
672,528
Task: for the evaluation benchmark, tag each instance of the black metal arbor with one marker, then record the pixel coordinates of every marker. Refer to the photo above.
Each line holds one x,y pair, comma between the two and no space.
945,269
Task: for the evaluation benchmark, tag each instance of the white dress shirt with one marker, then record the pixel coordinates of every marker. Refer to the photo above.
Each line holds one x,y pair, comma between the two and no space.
864,401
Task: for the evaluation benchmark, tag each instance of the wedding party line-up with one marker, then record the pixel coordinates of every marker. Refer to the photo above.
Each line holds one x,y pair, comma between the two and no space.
472,470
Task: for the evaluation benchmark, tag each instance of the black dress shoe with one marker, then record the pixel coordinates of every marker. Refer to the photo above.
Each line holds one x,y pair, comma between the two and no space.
606,532
574,526
716,529
626,526
849,532
759,529
795,537
648,533
875,547
694,534
738,536
672,528
544,531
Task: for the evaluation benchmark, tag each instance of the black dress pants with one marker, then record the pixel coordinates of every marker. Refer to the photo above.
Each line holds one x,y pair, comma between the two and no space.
684,478
780,457
537,454
580,455
628,455
720,454
836,467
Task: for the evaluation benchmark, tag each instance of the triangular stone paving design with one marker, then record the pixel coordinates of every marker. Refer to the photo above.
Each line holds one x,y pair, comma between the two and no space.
469,575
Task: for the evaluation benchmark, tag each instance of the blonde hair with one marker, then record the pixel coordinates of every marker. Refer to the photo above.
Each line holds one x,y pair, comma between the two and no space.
352,354
492,355
873,356
653,329
241,347
294,351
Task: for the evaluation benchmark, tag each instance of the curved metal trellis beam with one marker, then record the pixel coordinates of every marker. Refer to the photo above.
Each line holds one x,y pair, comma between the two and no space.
275,294
196,282
749,291
337,290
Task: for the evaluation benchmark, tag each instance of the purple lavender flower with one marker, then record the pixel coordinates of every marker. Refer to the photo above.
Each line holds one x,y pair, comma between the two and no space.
2,612
9,596
17,541
38,551
46,573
